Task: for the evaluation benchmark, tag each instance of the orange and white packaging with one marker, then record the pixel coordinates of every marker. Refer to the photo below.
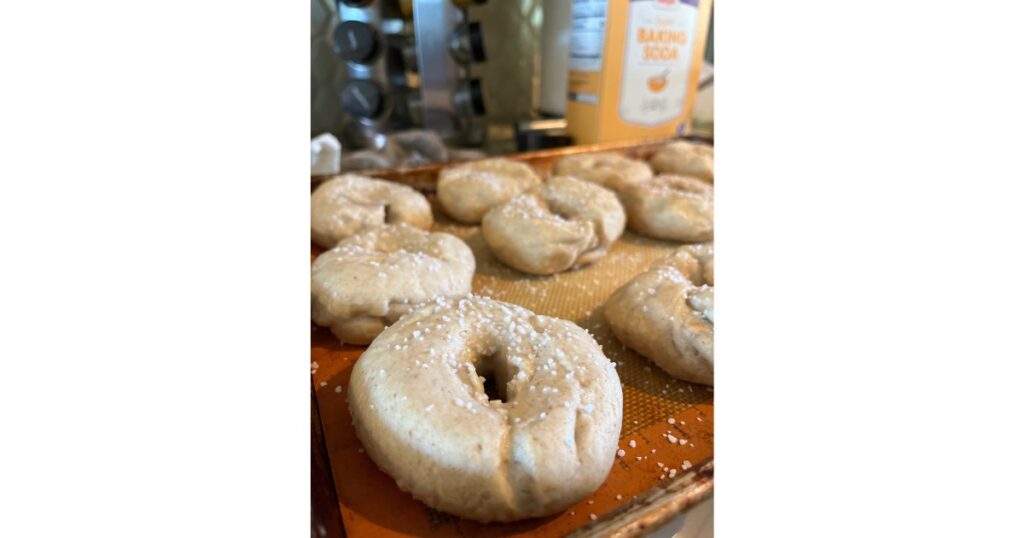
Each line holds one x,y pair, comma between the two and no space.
634,67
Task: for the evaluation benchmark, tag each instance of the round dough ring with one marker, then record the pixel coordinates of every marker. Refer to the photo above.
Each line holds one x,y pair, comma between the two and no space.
373,278
468,191
562,224
664,316
420,409
349,203
676,208
685,159
607,169
696,262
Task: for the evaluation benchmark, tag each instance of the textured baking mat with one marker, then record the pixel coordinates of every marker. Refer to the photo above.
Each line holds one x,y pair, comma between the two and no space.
656,408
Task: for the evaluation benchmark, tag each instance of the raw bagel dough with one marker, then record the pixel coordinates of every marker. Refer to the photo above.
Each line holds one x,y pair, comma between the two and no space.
685,159
371,279
562,224
419,146
607,169
468,191
696,262
421,411
677,208
366,159
665,317
350,203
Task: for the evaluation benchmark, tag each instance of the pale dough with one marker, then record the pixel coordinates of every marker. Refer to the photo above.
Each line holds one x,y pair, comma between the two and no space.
676,208
350,203
468,191
685,159
560,225
544,442
664,316
607,169
696,262
371,279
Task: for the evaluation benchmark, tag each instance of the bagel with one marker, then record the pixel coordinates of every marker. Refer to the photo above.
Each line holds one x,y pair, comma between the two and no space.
374,277
347,204
468,191
663,315
607,169
542,443
685,159
677,208
562,224
696,262
366,159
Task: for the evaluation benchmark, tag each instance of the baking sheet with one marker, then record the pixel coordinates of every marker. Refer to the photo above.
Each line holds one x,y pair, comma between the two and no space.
372,505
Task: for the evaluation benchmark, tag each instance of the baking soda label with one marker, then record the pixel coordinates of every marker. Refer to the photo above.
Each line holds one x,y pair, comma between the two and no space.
659,50
586,45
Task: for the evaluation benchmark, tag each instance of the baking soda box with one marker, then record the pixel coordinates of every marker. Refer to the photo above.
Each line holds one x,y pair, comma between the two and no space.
634,67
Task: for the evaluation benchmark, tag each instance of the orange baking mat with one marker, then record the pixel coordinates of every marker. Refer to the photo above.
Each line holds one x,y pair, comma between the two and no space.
654,404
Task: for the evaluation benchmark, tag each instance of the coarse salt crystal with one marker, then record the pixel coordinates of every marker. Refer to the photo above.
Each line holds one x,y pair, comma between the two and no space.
337,389
686,464
323,384
593,517
621,453
672,439
632,443
671,420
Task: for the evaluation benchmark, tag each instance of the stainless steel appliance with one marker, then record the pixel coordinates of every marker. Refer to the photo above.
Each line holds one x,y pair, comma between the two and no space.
407,65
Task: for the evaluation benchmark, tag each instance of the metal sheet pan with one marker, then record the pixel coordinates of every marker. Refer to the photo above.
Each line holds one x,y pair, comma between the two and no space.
641,492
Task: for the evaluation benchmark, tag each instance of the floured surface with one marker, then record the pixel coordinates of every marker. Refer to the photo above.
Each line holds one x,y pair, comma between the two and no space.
657,409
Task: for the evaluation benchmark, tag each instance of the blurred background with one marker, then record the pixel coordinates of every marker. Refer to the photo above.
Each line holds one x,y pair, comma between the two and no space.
486,76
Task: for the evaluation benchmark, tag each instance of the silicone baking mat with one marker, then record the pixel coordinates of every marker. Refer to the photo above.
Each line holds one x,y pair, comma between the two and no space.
667,425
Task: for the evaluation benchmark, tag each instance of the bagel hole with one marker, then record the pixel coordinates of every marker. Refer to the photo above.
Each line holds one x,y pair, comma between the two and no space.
559,211
493,391
492,369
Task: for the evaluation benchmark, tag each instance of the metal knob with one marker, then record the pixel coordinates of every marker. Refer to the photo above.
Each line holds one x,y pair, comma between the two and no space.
355,41
361,98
